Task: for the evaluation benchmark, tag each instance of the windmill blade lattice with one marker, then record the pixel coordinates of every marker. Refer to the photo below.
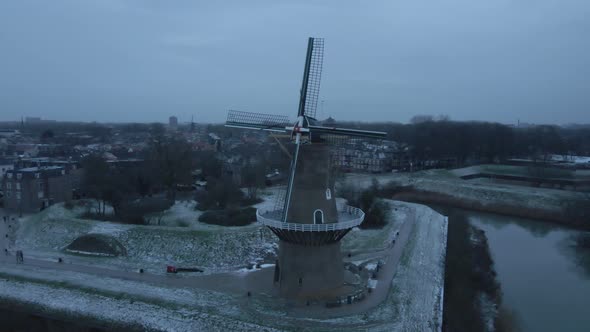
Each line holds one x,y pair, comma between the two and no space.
314,77
260,121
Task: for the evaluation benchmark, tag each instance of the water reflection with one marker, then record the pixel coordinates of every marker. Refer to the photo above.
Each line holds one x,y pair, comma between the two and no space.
577,247
540,272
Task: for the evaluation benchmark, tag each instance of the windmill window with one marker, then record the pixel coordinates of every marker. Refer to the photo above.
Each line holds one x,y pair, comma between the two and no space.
318,216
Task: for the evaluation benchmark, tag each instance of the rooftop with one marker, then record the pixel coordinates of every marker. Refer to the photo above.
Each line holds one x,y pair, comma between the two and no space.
38,169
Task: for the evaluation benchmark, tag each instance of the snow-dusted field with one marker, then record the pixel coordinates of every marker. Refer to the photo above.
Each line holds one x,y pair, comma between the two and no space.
447,183
413,304
214,248
163,315
358,240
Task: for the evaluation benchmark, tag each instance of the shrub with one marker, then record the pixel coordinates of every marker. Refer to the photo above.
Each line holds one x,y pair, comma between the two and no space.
230,217
376,210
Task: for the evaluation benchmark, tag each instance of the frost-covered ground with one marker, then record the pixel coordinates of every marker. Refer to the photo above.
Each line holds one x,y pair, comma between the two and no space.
214,248
413,303
447,183
174,310
357,240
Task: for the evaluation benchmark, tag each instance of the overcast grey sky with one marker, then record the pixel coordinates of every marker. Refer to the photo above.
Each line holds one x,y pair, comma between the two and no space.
125,60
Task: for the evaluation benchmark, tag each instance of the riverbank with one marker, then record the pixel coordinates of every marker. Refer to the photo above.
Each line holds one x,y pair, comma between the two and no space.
442,187
510,207
541,272
472,294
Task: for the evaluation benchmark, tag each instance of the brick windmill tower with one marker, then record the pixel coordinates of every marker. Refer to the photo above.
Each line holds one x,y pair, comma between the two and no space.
308,222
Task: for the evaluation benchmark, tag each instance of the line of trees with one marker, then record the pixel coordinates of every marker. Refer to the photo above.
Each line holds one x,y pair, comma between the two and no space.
168,162
432,138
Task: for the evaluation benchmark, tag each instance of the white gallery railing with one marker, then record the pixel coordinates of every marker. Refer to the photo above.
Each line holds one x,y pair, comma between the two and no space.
355,217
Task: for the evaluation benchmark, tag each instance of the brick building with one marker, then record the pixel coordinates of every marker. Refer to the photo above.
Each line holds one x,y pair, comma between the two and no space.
33,188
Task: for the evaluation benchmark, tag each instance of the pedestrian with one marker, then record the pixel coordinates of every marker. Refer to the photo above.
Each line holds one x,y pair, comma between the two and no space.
19,257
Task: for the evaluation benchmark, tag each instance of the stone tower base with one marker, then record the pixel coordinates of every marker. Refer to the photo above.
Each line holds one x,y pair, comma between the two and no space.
309,272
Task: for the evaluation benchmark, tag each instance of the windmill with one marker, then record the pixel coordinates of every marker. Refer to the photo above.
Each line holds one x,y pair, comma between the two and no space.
308,221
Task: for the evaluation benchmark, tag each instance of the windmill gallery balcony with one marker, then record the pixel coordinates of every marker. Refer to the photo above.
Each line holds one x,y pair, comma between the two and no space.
312,234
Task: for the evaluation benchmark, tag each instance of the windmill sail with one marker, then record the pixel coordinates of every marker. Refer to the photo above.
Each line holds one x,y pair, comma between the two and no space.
259,121
347,132
312,74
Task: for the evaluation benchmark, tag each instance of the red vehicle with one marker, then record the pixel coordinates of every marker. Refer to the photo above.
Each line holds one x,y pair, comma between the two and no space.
171,269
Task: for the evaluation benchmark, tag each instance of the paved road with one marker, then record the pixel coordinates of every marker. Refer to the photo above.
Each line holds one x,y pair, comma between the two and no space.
257,281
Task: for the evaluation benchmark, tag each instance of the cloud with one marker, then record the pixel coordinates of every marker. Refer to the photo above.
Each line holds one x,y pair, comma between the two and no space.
385,60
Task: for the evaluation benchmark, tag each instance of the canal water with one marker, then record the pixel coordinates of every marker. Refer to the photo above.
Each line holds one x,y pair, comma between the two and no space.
545,280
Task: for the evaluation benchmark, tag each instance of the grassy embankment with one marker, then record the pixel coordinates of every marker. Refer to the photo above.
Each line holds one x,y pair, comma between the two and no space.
473,297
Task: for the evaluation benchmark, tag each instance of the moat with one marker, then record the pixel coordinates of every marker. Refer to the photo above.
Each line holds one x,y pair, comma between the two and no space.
545,280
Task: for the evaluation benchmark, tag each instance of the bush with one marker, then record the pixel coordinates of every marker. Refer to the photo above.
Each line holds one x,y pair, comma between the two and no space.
133,212
218,195
230,217
376,210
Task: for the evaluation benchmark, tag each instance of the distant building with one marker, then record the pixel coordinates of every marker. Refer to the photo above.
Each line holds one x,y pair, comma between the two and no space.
173,122
73,169
32,189
37,120
32,119
363,158
329,122
215,141
8,133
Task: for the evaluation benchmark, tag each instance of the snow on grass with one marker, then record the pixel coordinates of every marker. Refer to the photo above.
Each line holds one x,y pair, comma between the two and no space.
414,301
47,233
109,228
413,304
185,214
361,240
484,193
181,214
75,304
420,275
